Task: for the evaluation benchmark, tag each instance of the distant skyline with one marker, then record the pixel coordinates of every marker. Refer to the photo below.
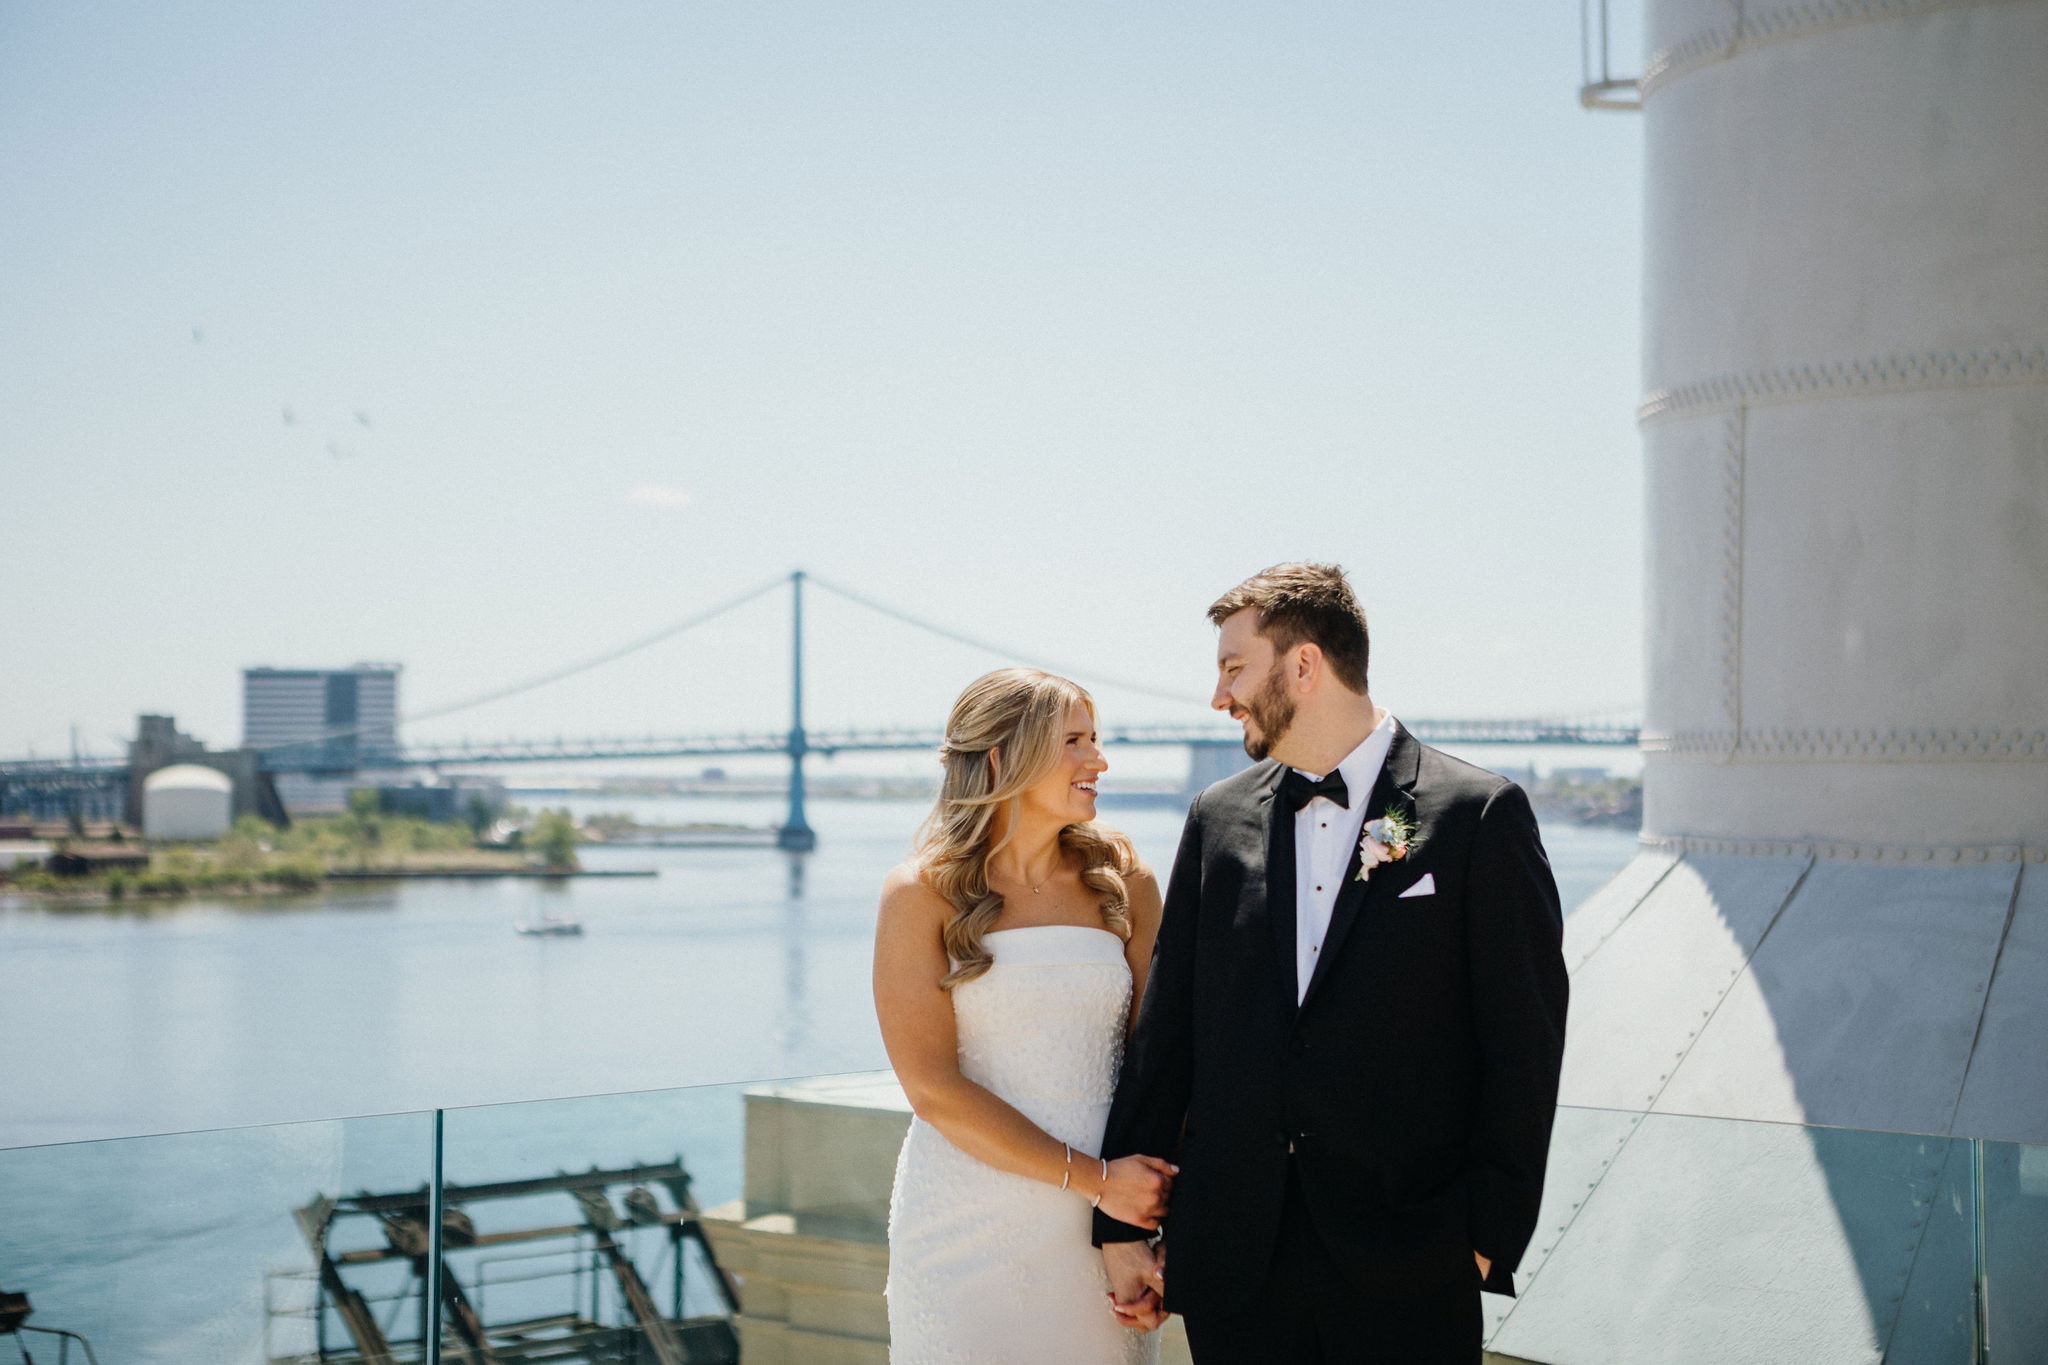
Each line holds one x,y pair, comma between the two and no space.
482,341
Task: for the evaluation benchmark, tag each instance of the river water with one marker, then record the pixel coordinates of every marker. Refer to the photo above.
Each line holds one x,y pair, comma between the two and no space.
731,965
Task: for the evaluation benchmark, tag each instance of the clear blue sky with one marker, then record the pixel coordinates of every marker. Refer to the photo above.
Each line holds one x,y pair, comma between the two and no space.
1047,321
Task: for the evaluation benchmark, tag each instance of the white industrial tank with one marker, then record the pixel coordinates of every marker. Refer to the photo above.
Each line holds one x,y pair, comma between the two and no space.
1846,364
1824,974
1846,440
186,801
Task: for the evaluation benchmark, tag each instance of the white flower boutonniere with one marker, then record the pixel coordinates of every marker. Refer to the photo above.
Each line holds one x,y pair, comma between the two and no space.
1385,840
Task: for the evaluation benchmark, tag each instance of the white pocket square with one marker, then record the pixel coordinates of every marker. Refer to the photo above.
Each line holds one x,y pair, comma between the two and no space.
1425,887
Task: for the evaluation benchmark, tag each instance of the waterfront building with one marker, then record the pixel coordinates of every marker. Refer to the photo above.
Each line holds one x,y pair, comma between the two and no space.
349,714
1212,761
454,798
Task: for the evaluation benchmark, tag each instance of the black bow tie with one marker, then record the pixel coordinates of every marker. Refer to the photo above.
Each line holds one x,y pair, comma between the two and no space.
1297,791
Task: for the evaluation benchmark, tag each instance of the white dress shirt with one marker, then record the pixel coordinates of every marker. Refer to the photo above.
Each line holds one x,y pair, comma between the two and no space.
1325,834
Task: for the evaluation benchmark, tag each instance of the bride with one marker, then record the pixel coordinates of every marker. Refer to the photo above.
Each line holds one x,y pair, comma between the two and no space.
1009,950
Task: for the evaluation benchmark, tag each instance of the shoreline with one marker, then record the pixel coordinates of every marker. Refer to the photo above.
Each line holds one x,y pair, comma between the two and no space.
96,893
400,874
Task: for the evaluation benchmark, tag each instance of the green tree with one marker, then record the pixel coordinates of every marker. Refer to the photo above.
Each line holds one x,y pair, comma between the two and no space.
476,813
365,826
554,837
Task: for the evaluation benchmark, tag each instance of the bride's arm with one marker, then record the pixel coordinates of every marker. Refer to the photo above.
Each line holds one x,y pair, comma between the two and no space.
1142,889
918,1030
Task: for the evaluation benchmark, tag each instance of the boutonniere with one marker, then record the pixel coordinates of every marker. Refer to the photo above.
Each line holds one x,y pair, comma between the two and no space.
1388,839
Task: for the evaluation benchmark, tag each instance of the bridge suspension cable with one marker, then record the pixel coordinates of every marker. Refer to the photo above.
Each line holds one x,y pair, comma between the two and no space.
1003,652
598,660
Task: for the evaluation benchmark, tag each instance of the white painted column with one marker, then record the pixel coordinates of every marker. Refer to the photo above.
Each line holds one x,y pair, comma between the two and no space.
1846,426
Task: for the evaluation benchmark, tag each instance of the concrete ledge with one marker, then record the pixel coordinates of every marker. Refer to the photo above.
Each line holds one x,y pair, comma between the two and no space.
775,1343
825,1151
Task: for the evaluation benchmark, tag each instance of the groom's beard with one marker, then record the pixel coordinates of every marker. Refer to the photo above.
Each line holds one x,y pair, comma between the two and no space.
1270,711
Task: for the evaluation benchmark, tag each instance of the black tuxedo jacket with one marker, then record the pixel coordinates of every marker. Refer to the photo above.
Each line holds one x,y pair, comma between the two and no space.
1414,1084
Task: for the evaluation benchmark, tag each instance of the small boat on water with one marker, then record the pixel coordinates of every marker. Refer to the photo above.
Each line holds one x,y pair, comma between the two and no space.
550,926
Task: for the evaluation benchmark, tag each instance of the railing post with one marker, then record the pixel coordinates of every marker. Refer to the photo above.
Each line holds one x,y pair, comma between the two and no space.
432,1317
675,1244
1980,1283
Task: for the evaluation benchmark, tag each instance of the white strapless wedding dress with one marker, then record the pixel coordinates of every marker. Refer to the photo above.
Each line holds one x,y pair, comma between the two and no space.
986,1267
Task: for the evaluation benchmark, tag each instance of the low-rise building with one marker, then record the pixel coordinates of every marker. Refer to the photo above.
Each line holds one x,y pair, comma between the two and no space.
85,860
477,800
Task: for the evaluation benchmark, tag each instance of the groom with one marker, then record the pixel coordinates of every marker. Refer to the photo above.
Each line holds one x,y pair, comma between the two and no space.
1353,1025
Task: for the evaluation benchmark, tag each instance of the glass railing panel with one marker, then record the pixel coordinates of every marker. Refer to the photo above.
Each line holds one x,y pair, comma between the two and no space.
718,1223
211,1246
1667,1236
2015,1251
657,1222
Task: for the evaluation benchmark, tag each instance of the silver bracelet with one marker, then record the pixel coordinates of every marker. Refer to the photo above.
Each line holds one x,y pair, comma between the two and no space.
1096,1202
1067,1174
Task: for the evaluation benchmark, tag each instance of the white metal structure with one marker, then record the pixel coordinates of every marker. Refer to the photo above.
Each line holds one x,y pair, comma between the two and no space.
186,801
1846,356
1846,431
1840,917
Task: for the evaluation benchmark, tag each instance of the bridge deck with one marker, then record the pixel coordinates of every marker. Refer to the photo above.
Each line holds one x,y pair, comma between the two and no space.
317,757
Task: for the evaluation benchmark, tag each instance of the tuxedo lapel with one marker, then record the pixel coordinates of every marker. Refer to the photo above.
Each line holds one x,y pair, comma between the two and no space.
1279,888
1395,783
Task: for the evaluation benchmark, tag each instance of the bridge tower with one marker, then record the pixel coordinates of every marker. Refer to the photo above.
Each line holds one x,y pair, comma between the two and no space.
796,834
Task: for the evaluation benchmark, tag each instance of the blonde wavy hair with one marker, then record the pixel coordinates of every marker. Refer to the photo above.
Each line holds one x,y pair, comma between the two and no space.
1007,731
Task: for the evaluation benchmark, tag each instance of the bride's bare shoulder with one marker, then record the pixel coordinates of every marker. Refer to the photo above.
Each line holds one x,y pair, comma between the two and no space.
906,893
1142,900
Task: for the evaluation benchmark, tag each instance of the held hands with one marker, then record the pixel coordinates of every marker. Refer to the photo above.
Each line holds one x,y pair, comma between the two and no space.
1133,1189
1137,1283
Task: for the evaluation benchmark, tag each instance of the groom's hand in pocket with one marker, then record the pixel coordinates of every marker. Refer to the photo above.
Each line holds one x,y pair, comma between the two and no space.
1136,1283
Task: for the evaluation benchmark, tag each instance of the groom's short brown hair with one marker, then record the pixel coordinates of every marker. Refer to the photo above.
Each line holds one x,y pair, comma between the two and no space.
1305,604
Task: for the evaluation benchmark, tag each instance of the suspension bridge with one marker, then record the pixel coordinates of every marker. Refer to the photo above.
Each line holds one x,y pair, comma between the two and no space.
57,787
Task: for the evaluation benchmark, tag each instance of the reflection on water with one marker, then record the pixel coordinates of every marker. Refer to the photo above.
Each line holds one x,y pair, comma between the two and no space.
795,996
733,963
